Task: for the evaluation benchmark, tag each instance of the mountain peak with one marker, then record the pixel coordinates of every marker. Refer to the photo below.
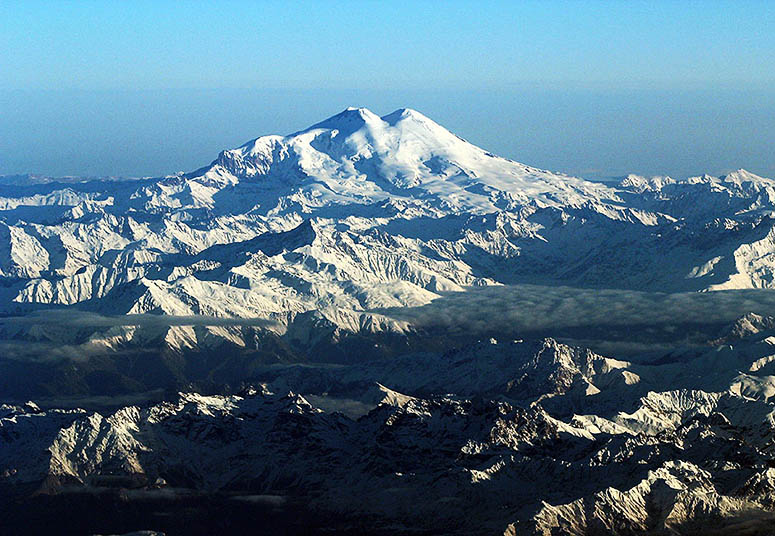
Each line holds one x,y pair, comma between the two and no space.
349,119
356,154
742,175
353,118
357,112
405,113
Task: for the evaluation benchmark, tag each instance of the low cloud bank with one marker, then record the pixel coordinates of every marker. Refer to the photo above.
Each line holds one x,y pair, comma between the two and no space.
531,307
57,334
86,319
617,320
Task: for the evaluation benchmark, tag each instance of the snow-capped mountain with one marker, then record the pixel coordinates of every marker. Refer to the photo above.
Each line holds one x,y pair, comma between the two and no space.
361,212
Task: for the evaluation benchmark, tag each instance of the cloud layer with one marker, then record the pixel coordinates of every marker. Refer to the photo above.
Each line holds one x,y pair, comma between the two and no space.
639,319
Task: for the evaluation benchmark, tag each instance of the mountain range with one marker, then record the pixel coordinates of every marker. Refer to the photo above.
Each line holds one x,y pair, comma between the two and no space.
271,335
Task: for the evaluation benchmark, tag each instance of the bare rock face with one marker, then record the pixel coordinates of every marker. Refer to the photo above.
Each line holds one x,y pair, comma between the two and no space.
745,326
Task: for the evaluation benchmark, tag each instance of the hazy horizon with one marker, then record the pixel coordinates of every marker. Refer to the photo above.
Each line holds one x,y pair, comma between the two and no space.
586,132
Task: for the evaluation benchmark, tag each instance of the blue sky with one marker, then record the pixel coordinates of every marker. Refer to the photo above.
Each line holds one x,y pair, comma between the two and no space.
630,78
158,44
